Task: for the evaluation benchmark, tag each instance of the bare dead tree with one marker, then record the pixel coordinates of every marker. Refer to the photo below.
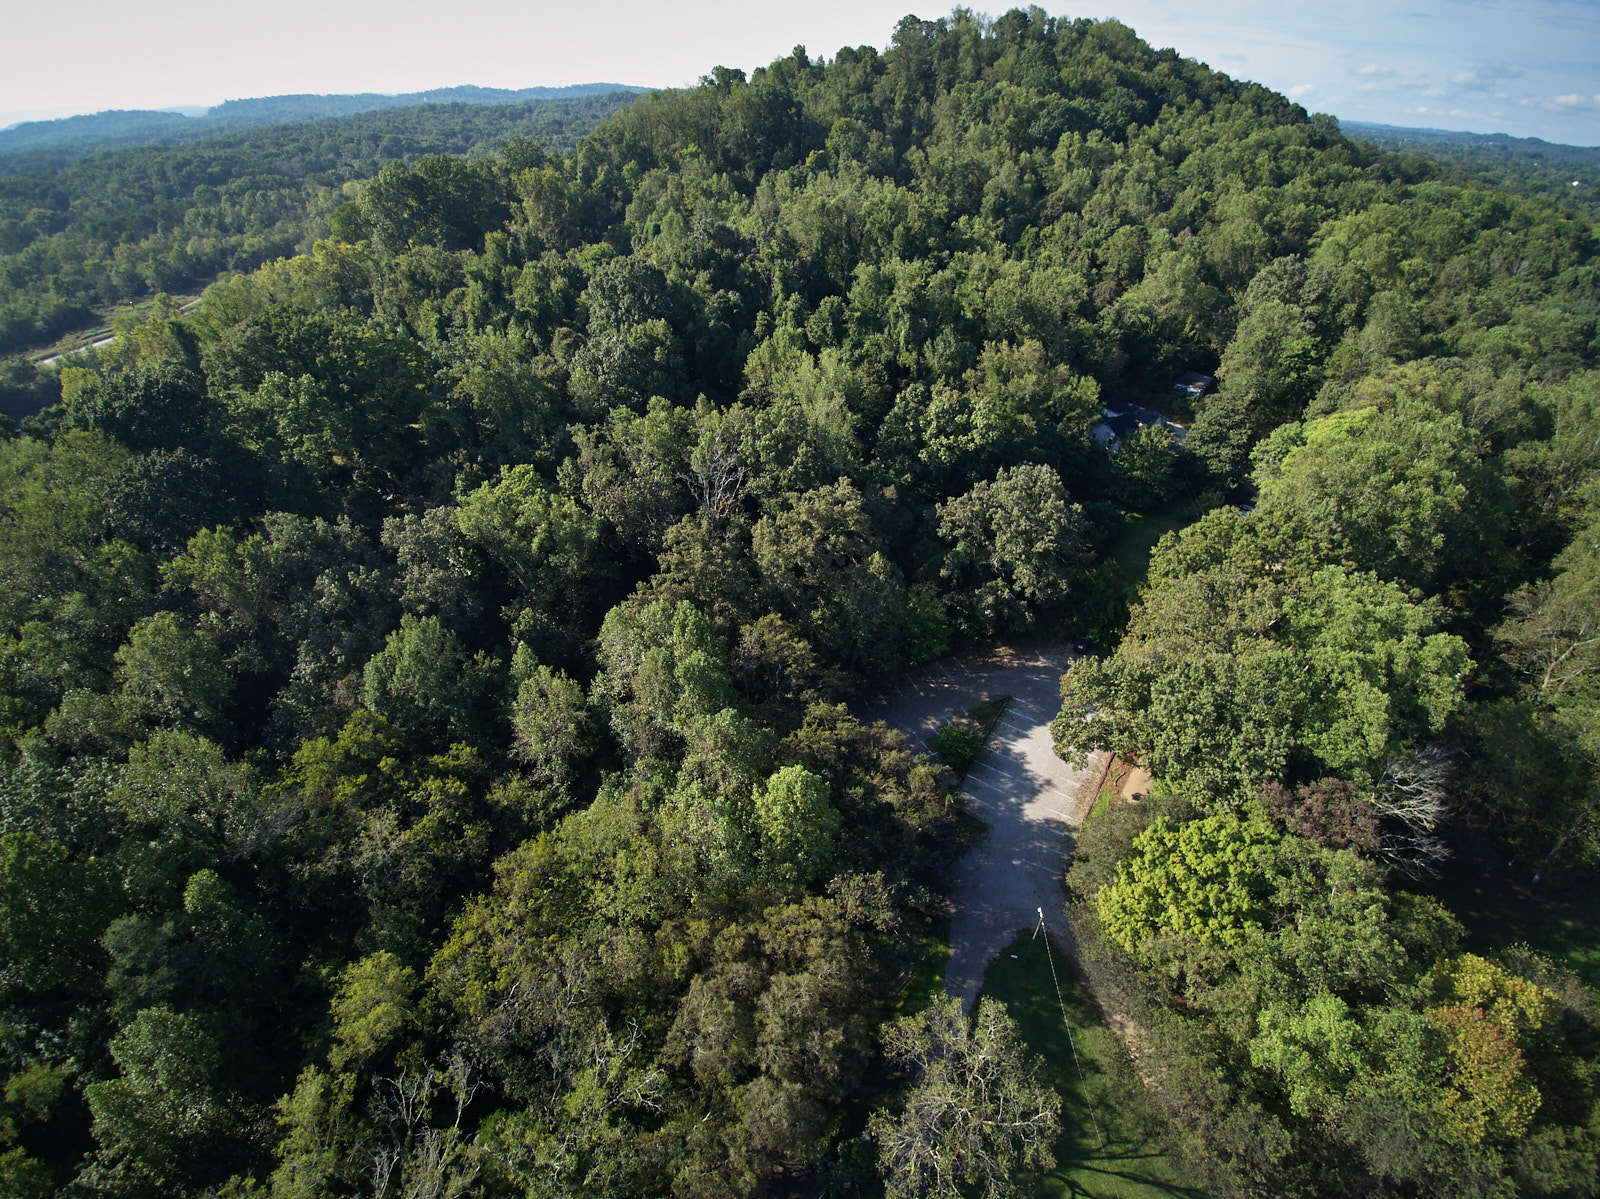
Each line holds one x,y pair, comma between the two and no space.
628,1087
716,476
419,1161
435,1169
464,1081
400,1101
384,1159
1410,796
977,1114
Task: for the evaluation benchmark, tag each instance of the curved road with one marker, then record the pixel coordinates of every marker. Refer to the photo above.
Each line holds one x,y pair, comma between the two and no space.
1029,798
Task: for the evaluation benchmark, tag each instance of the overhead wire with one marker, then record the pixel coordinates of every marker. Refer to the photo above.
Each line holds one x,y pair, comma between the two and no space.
1067,1024
1072,1042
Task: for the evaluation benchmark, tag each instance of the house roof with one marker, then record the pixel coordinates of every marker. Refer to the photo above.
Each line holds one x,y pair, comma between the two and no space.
1128,418
1123,423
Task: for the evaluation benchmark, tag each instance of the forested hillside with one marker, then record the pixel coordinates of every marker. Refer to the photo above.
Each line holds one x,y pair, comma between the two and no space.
40,145
124,224
1526,165
426,667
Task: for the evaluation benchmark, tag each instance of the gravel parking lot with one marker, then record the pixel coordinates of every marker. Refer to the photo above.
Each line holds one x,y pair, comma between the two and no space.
1030,798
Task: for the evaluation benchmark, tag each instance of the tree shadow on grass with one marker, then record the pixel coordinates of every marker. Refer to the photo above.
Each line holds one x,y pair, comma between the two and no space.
1111,1143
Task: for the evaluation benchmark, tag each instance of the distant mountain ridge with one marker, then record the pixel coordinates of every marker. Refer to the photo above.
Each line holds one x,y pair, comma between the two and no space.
72,137
1529,166
1396,137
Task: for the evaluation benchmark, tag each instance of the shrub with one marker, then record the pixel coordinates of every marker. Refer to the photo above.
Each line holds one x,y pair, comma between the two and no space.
957,744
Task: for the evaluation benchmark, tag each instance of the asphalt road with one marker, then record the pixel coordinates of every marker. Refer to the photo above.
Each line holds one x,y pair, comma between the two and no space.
1030,799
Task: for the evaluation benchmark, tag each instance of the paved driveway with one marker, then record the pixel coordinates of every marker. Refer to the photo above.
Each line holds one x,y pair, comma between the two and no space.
1029,798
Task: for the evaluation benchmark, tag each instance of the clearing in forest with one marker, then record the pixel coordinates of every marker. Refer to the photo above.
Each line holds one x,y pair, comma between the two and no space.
1029,798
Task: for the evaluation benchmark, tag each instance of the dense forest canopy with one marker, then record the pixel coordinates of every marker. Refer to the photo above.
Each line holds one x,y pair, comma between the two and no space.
426,665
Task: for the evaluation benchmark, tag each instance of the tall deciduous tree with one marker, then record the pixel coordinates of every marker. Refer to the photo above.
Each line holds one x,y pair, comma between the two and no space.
975,1116
1233,674
797,825
425,684
820,560
551,550
1017,546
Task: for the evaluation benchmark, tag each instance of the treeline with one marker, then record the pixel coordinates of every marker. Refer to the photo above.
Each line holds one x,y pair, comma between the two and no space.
425,665
124,224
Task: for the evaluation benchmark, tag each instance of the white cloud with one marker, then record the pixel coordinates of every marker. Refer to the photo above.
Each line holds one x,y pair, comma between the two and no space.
1375,70
1572,102
1302,90
1480,79
1434,92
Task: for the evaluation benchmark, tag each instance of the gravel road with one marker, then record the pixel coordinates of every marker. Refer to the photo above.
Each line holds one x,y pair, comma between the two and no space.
1029,798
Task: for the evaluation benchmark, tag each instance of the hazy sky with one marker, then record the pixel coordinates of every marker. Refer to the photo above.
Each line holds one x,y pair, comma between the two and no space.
1527,67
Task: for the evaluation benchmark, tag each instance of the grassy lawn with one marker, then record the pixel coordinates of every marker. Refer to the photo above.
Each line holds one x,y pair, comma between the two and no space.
1131,550
1497,916
1110,1145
